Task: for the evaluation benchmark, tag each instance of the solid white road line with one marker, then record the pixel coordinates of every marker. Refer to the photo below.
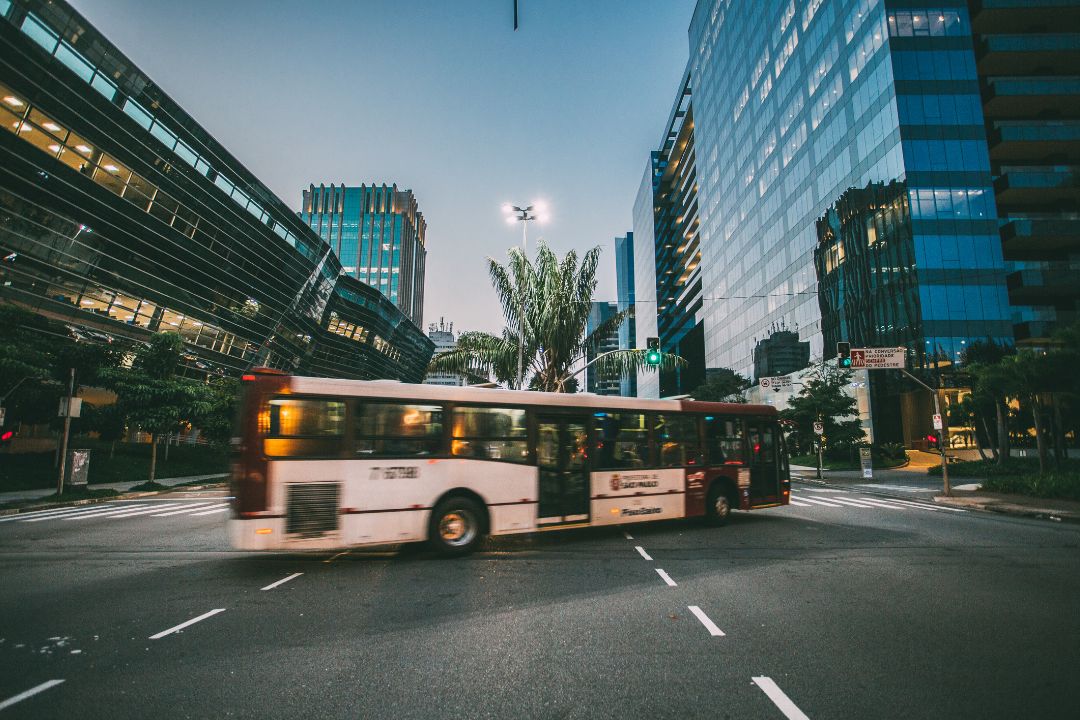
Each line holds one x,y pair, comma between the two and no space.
641,551
29,693
271,586
779,699
211,511
817,501
709,624
666,577
628,535
189,508
796,503
183,625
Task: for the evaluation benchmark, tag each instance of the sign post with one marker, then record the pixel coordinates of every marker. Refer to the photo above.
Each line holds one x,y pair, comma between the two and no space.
866,461
819,430
780,382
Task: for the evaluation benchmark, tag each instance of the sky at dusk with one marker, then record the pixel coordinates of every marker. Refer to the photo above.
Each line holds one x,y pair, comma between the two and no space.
440,96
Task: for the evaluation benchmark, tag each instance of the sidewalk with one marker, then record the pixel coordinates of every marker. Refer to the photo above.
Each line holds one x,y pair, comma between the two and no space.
15,496
1057,510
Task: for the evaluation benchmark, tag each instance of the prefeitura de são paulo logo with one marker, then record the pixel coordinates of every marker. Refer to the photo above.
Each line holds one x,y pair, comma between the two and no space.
615,484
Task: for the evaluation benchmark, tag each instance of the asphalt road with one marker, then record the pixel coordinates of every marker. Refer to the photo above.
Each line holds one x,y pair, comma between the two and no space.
834,607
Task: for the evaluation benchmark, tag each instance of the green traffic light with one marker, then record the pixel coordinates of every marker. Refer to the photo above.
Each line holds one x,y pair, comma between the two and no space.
845,362
652,357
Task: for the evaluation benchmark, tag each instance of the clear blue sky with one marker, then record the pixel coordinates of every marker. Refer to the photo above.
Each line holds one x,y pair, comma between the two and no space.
440,96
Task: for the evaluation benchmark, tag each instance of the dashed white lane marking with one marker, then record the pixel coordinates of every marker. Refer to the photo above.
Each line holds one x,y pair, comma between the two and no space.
641,551
189,508
782,701
211,511
181,626
628,535
29,693
709,624
282,581
796,503
666,577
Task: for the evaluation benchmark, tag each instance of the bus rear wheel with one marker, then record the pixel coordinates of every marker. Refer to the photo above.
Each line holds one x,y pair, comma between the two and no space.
456,526
718,506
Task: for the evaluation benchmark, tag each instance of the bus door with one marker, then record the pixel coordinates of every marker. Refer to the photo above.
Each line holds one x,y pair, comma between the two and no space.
761,435
562,457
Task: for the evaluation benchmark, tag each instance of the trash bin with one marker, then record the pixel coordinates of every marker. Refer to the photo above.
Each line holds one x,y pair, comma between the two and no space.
79,467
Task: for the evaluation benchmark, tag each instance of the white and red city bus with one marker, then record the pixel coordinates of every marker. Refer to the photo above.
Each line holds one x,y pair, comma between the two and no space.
324,463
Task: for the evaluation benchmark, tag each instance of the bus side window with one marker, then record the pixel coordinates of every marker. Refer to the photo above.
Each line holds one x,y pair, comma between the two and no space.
490,434
677,440
622,440
393,430
305,427
724,437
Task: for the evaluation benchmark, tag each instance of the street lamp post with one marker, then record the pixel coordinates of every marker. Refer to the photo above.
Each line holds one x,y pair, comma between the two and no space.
513,213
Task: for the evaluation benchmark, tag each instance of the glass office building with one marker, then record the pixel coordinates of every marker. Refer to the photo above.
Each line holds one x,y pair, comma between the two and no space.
121,216
674,227
624,288
865,115
378,233
599,313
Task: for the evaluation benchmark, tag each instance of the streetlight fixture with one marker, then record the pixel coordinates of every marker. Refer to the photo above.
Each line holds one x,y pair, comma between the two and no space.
537,211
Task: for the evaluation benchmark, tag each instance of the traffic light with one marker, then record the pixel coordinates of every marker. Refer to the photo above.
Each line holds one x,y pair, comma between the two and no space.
652,352
843,354
5,437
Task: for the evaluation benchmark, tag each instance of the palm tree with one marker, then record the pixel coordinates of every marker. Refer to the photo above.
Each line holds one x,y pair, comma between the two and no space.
547,304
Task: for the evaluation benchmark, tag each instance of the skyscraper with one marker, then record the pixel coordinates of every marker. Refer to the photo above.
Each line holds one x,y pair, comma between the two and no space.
378,233
599,313
885,173
624,285
667,212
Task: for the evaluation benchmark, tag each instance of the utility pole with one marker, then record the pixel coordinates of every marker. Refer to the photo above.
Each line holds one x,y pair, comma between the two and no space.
940,434
67,432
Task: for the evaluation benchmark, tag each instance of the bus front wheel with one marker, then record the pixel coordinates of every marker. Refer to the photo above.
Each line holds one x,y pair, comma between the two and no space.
718,507
456,526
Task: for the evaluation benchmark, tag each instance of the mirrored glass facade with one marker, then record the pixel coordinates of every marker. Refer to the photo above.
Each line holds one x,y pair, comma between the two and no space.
122,216
378,233
624,286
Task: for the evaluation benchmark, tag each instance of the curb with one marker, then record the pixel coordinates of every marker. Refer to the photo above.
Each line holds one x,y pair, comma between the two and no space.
94,501
1013,510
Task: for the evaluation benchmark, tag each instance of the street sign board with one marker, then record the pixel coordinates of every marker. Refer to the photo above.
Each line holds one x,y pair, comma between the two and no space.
878,358
79,464
3,414
866,462
76,407
779,382
819,428
937,423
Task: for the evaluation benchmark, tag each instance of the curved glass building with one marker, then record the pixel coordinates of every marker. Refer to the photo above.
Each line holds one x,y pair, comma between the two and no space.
121,216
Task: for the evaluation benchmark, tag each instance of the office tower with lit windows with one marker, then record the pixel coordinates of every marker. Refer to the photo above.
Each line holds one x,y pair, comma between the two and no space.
378,234
860,164
624,290
666,219
121,216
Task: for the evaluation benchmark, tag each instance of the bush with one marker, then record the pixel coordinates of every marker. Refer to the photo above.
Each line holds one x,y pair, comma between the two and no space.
891,451
1012,467
1060,485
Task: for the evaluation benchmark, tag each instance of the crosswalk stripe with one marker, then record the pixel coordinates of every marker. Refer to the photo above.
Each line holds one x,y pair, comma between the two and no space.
818,501
144,511
79,512
189,508
847,501
796,503
923,506
30,516
117,513
221,508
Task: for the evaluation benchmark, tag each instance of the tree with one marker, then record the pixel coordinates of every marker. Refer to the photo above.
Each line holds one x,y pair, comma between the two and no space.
722,385
218,414
547,304
151,395
990,386
823,399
